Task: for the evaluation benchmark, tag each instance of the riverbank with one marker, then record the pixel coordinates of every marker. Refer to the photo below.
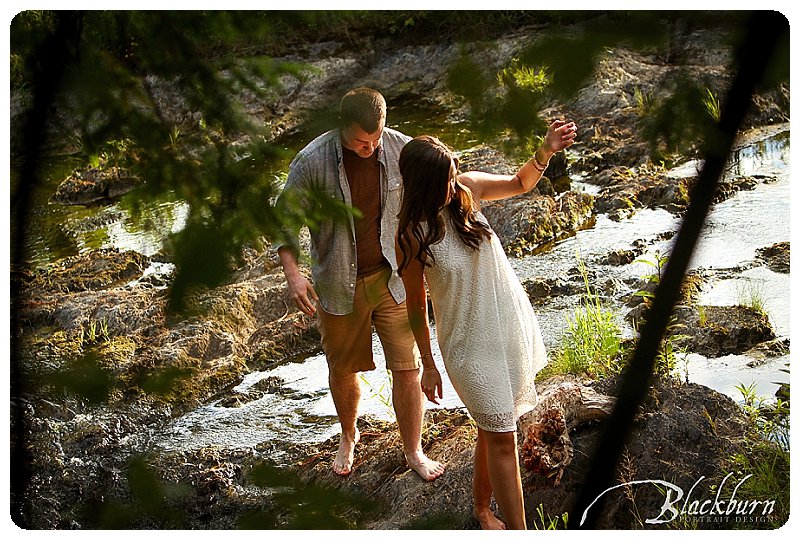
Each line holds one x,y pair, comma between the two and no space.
108,369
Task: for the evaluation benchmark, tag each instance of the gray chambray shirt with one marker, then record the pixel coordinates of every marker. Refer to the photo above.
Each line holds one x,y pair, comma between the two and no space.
319,166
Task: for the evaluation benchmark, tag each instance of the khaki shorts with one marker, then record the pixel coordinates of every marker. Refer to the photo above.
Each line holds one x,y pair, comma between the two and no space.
347,339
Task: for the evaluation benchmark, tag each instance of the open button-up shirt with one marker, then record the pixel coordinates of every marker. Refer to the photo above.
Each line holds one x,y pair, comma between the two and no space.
319,167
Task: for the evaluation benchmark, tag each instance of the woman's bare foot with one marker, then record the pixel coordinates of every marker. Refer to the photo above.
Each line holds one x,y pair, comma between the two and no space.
488,520
427,468
343,462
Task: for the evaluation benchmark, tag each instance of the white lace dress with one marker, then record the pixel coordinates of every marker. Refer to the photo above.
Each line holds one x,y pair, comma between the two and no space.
486,329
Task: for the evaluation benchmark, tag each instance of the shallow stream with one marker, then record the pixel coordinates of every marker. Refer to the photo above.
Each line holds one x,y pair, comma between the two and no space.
735,229
304,410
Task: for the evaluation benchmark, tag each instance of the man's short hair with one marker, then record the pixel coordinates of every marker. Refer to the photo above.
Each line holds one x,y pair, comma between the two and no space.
363,106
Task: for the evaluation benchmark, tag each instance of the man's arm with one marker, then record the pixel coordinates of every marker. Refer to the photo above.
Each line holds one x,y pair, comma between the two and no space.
300,289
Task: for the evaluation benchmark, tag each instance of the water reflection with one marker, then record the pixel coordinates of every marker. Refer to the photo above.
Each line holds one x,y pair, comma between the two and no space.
729,372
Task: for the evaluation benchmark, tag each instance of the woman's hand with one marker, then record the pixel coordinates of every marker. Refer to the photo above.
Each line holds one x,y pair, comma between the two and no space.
560,135
431,384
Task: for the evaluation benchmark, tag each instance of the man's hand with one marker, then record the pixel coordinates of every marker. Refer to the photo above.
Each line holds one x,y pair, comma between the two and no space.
300,289
303,293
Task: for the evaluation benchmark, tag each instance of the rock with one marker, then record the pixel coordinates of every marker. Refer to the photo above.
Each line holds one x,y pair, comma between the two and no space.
541,289
487,159
94,185
767,350
715,331
82,305
776,257
783,392
269,385
673,439
92,271
620,257
690,289
380,471
628,190
683,433
527,222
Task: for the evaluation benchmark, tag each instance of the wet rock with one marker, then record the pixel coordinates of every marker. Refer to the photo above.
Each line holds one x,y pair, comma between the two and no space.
542,289
293,335
558,173
672,439
381,472
644,288
776,257
715,331
73,309
487,159
92,271
783,392
97,184
269,385
628,190
527,222
620,257
767,350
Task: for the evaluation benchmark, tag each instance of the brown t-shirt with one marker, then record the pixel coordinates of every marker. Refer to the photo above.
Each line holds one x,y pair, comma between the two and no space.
364,176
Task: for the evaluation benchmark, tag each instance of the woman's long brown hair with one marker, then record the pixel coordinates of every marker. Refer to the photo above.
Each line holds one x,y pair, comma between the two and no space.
425,164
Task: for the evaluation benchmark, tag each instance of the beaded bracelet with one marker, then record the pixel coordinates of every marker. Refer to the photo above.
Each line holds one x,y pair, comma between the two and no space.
539,166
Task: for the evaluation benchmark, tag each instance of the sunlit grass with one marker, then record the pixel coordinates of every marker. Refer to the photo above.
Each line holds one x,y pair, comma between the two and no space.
592,342
752,295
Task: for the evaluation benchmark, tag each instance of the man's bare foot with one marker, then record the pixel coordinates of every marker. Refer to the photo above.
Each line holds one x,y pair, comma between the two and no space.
425,467
488,520
343,462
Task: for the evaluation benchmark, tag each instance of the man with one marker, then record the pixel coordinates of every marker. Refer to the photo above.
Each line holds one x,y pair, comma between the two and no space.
354,268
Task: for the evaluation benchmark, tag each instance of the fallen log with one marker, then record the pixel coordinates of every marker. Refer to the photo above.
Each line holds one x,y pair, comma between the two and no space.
546,447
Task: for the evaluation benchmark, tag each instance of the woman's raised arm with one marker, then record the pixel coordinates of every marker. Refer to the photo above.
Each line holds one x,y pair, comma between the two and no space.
487,186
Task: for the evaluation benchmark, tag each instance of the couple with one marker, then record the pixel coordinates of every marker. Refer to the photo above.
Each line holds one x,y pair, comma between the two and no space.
419,220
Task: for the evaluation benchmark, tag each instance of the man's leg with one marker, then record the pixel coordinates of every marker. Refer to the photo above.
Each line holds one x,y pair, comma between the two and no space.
347,342
346,393
402,358
408,404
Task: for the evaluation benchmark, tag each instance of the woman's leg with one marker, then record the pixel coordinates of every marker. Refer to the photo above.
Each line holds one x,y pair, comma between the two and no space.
503,471
482,487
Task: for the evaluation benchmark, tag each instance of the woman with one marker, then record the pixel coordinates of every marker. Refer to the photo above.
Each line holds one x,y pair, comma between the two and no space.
485,325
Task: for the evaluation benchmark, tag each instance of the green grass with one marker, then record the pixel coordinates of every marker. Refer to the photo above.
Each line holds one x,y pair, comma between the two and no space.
712,104
546,522
765,456
383,393
592,343
752,295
